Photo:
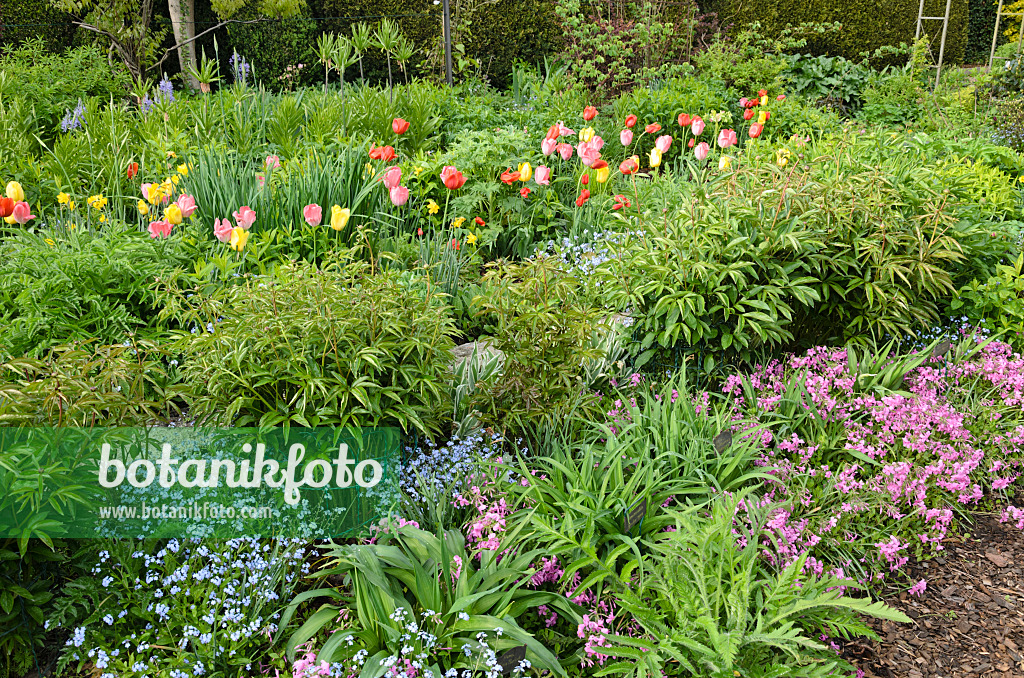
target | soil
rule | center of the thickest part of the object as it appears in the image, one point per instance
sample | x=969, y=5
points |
x=968, y=622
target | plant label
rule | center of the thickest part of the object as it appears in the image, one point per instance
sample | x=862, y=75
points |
x=635, y=516
x=722, y=441
x=511, y=659
x=941, y=349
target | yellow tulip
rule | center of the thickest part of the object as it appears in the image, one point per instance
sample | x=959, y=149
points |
x=782, y=157
x=173, y=214
x=655, y=157
x=525, y=171
x=239, y=236
x=764, y=101
x=762, y=117
x=15, y=192
x=601, y=175
x=339, y=217
x=143, y=208
x=586, y=134
x=725, y=163
x=63, y=198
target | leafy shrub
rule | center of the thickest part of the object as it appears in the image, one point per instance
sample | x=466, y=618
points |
x=343, y=345
x=62, y=285
x=711, y=604
x=747, y=63
x=892, y=99
x=997, y=305
x=690, y=95
x=1008, y=124
x=28, y=574
x=829, y=81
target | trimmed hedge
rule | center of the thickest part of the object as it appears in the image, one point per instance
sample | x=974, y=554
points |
x=867, y=24
x=981, y=24
x=24, y=19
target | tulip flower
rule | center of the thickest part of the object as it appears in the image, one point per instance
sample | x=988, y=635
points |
x=553, y=132
x=564, y=150
x=727, y=138
x=508, y=176
x=586, y=134
x=748, y=114
x=399, y=126
x=375, y=153
x=762, y=92
x=132, y=170
x=222, y=229
x=143, y=207
x=272, y=163
x=782, y=157
x=620, y=202
x=725, y=163
x=653, y=128
x=629, y=165
x=21, y=213
x=755, y=130
x=663, y=143
x=743, y=102
x=399, y=195
x=547, y=146
x=781, y=97
x=392, y=177
x=239, y=236
x=655, y=157
x=385, y=153
x=630, y=120
x=339, y=217
x=601, y=171
x=313, y=214
x=173, y=214
x=588, y=153
x=583, y=197
x=697, y=126
x=160, y=229
x=479, y=222
x=145, y=188
x=762, y=117
x=585, y=179
x=525, y=171
x=685, y=120
x=691, y=142
x=564, y=131
x=543, y=175
x=15, y=192
x=419, y=232
x=452, y=178
x=626, y=137
x=589, y=113
x=701, y=150
x=187, y=204
x=524, y=191
x=764, y=101
x=244, y=217
x=6, y=207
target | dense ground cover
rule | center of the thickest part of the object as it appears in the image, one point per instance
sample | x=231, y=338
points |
x=784, y=320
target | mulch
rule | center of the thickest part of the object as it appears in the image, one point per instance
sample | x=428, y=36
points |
x=970, y=620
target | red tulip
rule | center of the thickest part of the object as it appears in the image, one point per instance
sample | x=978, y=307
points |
x=508, y=176
x=748, y=114
x=767, y=116
x=419, y=232
x=375, y=152
x=653, y=128
x=630, y=120
x=584, y=196
x=691, y=142
x=685, y=120
x=553, y=132
x=399, y=126
x=585, y=180
x=628, y=166
x=781, y=97
x=620, y=202
x=480, y=222
x=452, y=178
x=133, y=169
x=387, y=154
x=6, y=207
x=524, y=191
x=762, y=92
x=755, y=130
x=589, y=113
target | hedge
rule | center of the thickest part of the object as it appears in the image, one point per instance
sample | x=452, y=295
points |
x=24, y=19
x=867, y=24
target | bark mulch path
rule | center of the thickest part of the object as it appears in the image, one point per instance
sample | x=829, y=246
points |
x=969, y=621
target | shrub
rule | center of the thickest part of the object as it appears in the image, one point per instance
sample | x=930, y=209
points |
x=1008, y=124
x=997, y=305
x=345, y=345
x=832, y=82
x=23, y=21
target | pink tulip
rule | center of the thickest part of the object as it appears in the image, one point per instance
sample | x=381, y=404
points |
x=597, y=142
x=548, y=146
x=221, y=229
x=145, y=191
x=743, y=102
x=399, y=195
x=542, y=175
x=588, y=154
x=697, y=126
x=312, y=214
x=273, y=162
x=187, y=204
x=565, y=150
x=626, y=137
x=727, y=138
x=701, y=150
x=22, y=212
x=663, y=142
x=393, y=177
x=160, y=229
x=244, y=217
x=261, y=179
x=565, y=131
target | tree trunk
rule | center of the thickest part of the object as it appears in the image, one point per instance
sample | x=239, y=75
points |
x=183, y=24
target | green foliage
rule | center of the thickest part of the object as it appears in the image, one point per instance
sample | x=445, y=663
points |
x=1008, y=124
x=271, y=47
x=435, y=583
x=61, y=285
x=893, y=99
x=829, y=81
x=1008, y=77
x=747, y=63
x=27, y=578
x=336, y=346
x=997, y=305
x=543, y=324
x=690, y=95
x=981, y=24
x=711, y=604
x=27, y=20
x=867, y=25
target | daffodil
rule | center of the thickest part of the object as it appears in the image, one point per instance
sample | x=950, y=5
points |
x=370, y=170
x=175, y=178
x=471, y=239
x=432, y=207
x=71, y=205
x=782, y=157
x=63, y=198
x=97, y=202
x=103, y=218
x=340, y=217
x=457, y=223
x=239, y=236
x=183, y=170
x=417, y=170
x=725, y=163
